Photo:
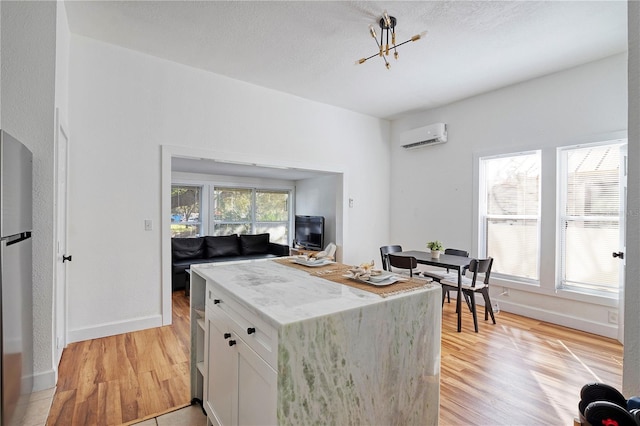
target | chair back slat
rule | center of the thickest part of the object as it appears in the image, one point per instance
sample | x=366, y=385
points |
x=456, y=252
x=480, y=266
x=403, y=262
x=384, y=251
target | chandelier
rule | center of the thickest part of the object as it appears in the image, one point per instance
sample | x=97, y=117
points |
x=388, y=32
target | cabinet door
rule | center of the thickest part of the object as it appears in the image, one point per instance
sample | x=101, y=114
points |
x=222, y=380
x=257, y=389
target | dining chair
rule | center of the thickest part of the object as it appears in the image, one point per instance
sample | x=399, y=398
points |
x=438, y=275
x=471, y=286
x=402, y=262
x=384, y=251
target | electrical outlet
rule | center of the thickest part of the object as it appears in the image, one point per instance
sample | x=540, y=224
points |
x=613, y=317
x=148, y=225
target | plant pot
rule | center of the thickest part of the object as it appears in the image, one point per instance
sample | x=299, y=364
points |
x=435, y=254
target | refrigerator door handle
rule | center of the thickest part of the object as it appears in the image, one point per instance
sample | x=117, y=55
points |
x=15, y=239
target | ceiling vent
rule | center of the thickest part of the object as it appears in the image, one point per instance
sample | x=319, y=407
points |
x=424, y=136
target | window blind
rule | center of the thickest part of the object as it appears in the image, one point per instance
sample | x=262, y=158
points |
x=511, y=213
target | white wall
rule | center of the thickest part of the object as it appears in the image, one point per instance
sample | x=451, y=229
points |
x=124, y=106
x=631, y=364
x=28, y=90
x=583, y=104
x=323, y=196
x=62, y=59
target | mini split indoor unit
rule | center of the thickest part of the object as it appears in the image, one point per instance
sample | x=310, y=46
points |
x=432, y=134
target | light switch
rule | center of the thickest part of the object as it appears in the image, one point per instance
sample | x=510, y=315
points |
x=148, y=226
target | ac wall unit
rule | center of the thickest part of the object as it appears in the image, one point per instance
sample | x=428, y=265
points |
x=424, y=136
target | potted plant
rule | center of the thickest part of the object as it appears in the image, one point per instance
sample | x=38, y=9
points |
x=435, y=247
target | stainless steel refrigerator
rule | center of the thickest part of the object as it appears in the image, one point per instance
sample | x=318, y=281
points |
x=15, y=279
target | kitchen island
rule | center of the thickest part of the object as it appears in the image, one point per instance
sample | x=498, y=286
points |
x=272, y=344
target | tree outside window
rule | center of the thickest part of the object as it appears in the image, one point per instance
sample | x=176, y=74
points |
x=185, y=211
x=251, y=211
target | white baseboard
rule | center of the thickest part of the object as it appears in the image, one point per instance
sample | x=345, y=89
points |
x=601, y=329
x=44, y=380
x=113, y=328
x=605, y=330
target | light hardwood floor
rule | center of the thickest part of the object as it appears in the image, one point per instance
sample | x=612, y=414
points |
x=125, y=378
x=517, y=372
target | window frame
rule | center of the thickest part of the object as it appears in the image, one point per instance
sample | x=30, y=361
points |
x=201, y=217
x=483, y=217
x=254, y=224
x=207, y=184
x=561, y=194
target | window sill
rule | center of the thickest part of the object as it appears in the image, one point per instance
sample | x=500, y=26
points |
x=608, y=301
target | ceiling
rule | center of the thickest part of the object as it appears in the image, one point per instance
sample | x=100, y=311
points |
x=310, y=48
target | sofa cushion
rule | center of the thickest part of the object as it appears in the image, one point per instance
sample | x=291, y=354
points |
x=226, y=245
x=254, y=244
x=187, y=248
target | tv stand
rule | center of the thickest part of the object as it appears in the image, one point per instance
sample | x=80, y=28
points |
x=300, y=251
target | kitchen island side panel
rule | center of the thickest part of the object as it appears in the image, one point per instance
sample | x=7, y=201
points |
x=376, y=364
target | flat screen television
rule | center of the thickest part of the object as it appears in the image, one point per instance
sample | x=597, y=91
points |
x=309, y=232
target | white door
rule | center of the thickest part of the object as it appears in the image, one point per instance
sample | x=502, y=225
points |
x=257, y=389
x=623, y=235
x=60, y=292
x=220, y=395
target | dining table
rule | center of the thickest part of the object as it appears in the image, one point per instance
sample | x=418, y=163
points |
x=447, y=261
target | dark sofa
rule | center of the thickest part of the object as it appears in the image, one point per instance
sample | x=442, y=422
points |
x=189, y=251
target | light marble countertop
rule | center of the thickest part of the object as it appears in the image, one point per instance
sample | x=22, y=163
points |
x=283, y=295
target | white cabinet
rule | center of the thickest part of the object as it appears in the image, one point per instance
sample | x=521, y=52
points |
x=241, y=387
x=197, y=324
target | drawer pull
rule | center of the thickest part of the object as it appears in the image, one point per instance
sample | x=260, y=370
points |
x=216, y=301
x=251, y=330
x=227, y=335
x=232, y=342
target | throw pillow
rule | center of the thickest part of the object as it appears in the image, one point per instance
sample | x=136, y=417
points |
x=187, y=248
x=226, y=245
x=254, y=244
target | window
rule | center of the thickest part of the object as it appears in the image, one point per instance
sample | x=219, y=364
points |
x=509, y=207
x=589, y=218
x=251, y=211
x=185, y=211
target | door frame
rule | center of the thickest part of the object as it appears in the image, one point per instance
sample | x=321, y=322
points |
x=61, y=214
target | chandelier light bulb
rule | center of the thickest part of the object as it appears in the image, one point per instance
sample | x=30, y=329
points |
x=372, y=31
x=387, y=20
x=418, y=36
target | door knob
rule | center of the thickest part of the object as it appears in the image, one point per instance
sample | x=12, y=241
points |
x=618, y=254
x=65, y=258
